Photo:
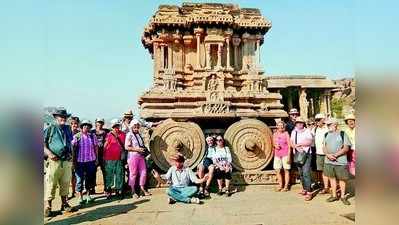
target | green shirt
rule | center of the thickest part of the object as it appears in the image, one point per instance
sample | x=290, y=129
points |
x=333, y=143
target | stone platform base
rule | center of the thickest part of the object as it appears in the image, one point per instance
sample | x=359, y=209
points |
x=249, y=178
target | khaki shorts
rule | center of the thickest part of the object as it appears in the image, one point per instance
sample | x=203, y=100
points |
x=339, y=172
x=320, y=162
x=59, y=173
x=281, y=163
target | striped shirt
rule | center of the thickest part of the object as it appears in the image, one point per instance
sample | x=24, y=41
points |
x=85, y=144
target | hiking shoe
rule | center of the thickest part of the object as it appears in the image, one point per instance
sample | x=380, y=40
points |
x=171, y=201
x=48, y=212
x=220, y=192
x=194, y=200
x=345, y=201
x=332, y=199
x=66, y=207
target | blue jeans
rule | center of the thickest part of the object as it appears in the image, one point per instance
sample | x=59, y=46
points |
x=304, y=173
x=85, y=175
x=182, y=194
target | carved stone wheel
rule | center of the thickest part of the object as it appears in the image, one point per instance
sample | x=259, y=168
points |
x=250, y=142
x=171, y=137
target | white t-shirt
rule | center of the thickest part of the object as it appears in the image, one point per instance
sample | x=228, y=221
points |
x=319, y=139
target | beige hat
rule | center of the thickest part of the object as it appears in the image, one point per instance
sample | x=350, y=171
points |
x=320, y=116
x=331, y=121
x=299, y=120
x=293, y=111
x=100, y=120
x=128, y=114
x=350, y=117
x=86, y=122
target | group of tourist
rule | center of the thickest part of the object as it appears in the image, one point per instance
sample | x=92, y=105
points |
x=300, y=143
x=74, y=152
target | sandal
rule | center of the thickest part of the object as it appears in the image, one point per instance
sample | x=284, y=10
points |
x=303, y=192
x=206, y=193
x=285, y=189
x=278, y=189
x=228, y=193
x=89, y=199
x=220, y=192
x=82, y=201
x=324, y=191
x=308, y=197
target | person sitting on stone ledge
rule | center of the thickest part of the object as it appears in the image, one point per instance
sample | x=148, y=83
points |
x=180, y=178
x=222, y=161
x=207, y=166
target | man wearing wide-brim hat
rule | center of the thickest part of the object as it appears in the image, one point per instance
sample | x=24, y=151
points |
x=350, y=121
x=181, y=177
x=293, y=114
x=128, y=117
x=57, y=147
x=336, y=146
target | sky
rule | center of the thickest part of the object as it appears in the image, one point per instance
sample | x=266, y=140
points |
x=87, y=55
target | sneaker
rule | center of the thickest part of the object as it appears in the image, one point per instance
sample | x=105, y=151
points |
x=345, y=201
x=82, y=201
x=89, y=199
x=171, y=201
x=220, y=192
x=228, y=193
x=194, y=200
x=332, y=199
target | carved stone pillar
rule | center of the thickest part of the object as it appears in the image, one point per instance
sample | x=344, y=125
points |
x=323, y=103
x=155, y=50
x=170, y=50
x=208, y=56
x=219, y=61
x=245, y=51
x=198, y=31
x=236, y=42
x=162, y=56
x=257, y=53
x=228, y=66
x=303, y=104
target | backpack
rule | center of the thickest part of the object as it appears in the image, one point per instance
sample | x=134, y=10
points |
x=342, y=134
x=58, y=146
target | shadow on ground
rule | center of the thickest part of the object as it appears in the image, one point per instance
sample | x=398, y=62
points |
x=98, y=213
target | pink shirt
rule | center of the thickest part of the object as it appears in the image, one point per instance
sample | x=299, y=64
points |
x=282, y=140
x=303, y=137
x=112, y=151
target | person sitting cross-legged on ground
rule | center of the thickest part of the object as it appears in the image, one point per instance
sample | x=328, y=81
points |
x=207, y=166
x=180, y=178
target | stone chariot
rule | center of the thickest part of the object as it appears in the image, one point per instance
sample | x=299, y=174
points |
x=208, y=80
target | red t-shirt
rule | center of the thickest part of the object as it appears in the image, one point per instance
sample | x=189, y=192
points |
x=112, y=151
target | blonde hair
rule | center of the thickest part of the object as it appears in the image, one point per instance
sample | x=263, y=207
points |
x=280, y=122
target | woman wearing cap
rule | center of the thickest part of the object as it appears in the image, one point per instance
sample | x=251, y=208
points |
x=113, y=147
x=301, y=141
x=100, y=133
x=137, y=152
x=222, y=161
x=86, y=160
x=350, y=121
x=282, y=155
